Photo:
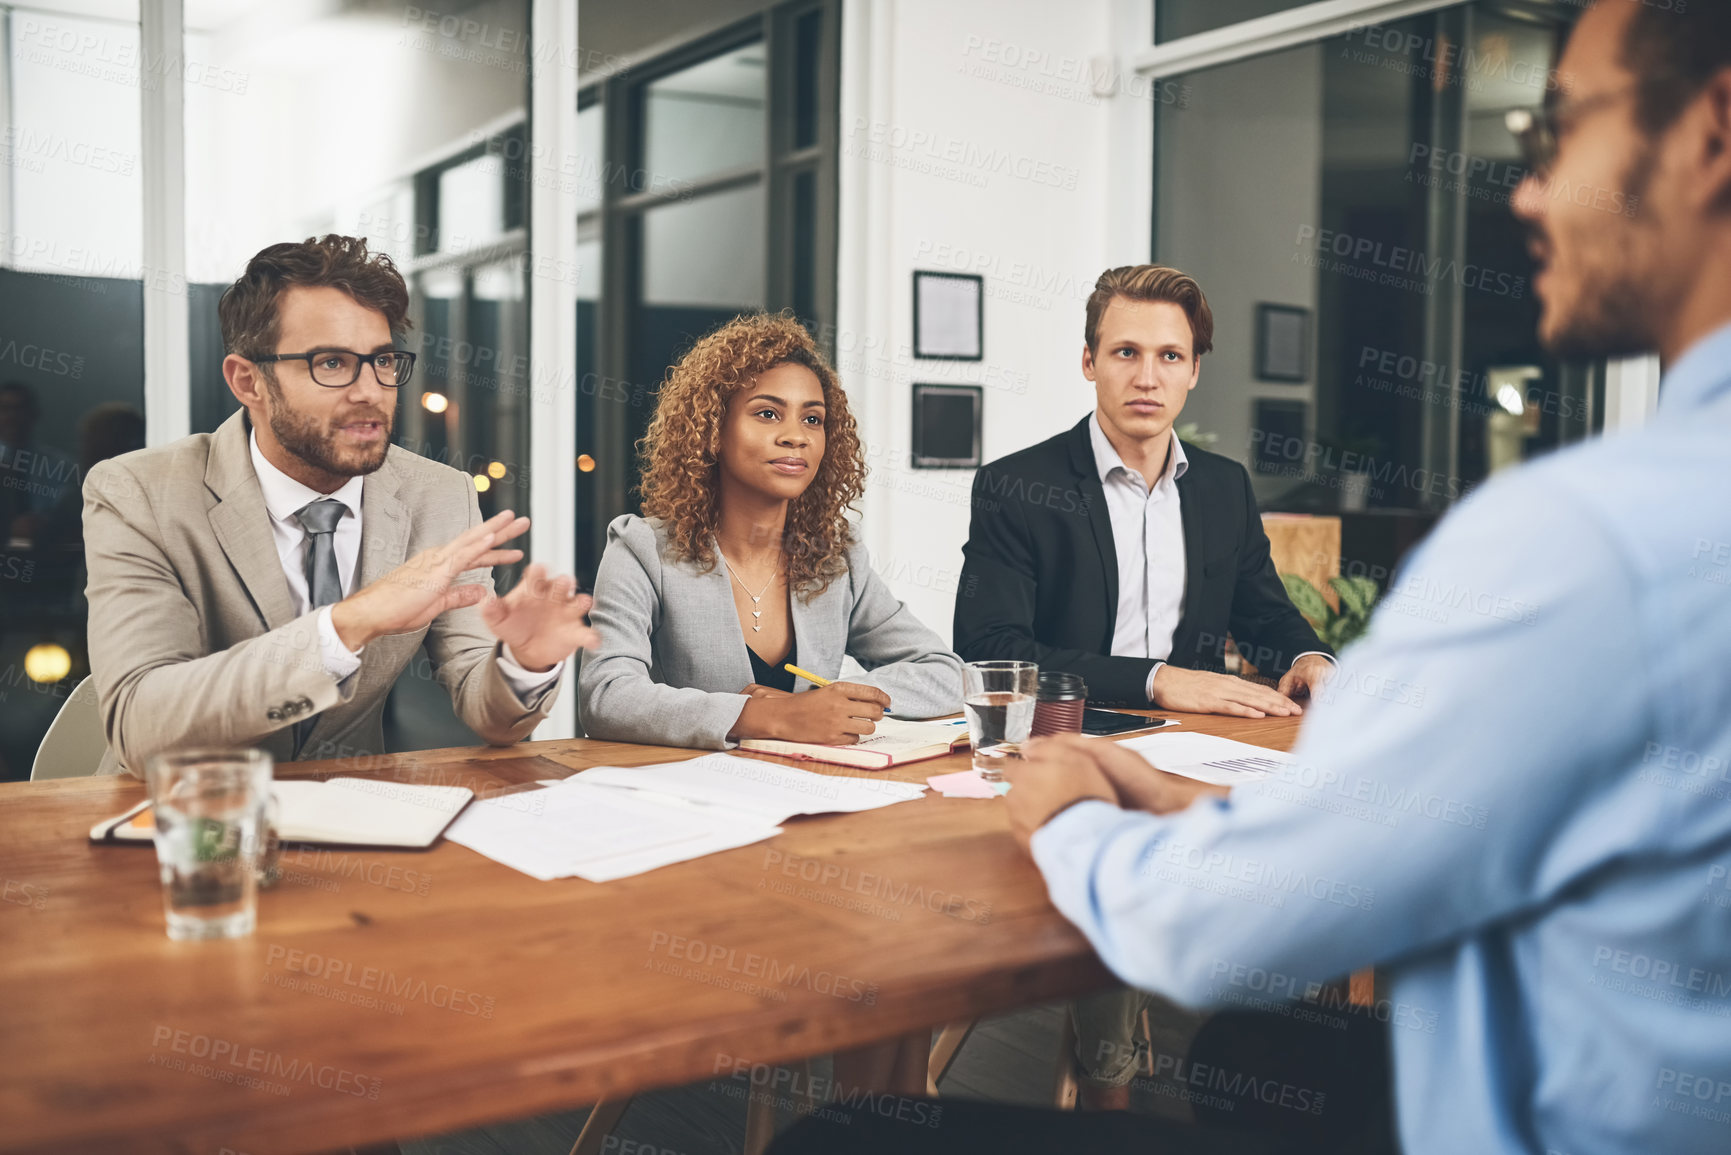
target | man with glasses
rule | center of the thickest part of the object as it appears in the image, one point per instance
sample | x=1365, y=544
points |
x=1536, y=858
x=264, y=585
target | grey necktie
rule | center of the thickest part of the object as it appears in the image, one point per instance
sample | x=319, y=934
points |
x=324, y=581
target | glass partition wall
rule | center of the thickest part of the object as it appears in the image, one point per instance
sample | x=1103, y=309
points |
x=713, y=193
x=1351, y=195
x=424, y=153
x=71, y=332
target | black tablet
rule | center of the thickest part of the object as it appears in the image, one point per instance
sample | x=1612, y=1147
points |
x=1100, y=722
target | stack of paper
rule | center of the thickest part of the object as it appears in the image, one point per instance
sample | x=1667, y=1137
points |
x=772, y=791
x=1206, y=758
x=613, y=821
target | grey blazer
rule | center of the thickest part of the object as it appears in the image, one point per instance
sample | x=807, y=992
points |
x=672, y=660
x=193, y=636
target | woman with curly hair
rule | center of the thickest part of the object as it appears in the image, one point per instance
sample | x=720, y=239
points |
x=745, y=562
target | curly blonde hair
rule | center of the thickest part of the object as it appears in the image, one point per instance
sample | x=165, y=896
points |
x=680, y=471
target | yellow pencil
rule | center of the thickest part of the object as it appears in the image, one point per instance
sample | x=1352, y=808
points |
x=806, y=674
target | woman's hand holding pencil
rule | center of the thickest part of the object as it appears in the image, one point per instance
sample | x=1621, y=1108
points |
x=834, y=714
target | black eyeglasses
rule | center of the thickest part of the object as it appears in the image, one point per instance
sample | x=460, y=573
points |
x=1538, y=130
x=340, y=368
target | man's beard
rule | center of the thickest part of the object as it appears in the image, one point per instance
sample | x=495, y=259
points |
x=1611, y=313
x=316, y=445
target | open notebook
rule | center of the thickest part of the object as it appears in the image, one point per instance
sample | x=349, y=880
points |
x=339, y=812
x=893, y=743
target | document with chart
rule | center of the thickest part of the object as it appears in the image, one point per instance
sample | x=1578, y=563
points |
x=1219, y=761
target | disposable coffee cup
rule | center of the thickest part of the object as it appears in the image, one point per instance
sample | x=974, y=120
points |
x=1059, y=704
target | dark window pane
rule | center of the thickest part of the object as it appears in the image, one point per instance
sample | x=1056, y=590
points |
x=71, y=395
x=805, y=246
x=808, y=40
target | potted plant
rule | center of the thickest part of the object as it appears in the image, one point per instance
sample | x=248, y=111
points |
x=1336, y=627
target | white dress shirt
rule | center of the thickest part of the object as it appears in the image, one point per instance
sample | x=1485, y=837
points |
x=1148, y=537
x=283, y=498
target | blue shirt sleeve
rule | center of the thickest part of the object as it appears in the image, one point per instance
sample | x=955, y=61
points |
x=1457, y=769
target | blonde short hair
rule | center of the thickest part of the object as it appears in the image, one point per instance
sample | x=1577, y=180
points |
x=1151, y=283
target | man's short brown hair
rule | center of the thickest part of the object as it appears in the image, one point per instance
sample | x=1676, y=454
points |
x=1674, y=53
x=1151, y=283
x=251, y=321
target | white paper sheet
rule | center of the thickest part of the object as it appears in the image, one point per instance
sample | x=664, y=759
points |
x=599, y=833
x=768, y=790
x=1219, y=761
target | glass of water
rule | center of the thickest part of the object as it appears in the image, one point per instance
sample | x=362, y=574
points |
x=999, y=699
x=211, y=828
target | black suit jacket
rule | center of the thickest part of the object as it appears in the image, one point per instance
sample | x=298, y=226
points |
x=1040, y=572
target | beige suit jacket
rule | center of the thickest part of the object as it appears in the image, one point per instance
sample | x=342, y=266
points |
x=193, y=635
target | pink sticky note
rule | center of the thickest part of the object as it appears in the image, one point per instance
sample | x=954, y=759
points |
x=962, y=784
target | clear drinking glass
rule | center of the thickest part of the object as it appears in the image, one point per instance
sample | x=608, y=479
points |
x=999, y=700
x=211, y=828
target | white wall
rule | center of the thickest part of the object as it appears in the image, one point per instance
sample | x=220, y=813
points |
x=972, y=141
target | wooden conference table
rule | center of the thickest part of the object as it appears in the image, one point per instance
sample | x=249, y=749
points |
x=390, y=994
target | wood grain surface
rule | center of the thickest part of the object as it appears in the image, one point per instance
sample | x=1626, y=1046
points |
x=389, y=994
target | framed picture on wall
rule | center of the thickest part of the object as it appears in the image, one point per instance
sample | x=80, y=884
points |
x=1282, y=343
x=1277, y=437
x=949, y=316
x=947, y=426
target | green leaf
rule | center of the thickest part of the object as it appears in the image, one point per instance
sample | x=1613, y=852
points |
x=1357, y=594
x=1308, y=600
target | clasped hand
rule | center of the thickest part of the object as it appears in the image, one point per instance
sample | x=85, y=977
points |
x=541, y=619
x=1057, y=772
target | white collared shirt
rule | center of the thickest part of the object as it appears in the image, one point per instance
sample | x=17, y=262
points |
x=283, y=498
x=1148, y=537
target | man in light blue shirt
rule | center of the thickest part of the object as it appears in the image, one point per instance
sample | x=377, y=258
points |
x=1514, y=796
x=1532, y=839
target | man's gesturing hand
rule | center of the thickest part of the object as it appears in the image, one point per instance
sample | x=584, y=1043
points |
x=541, y=619
x=420, y=589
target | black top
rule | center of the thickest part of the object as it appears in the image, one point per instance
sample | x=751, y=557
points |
x=774, y=677
x=1040, y=571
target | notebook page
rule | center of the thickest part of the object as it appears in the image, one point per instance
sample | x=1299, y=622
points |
x=368, y=812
